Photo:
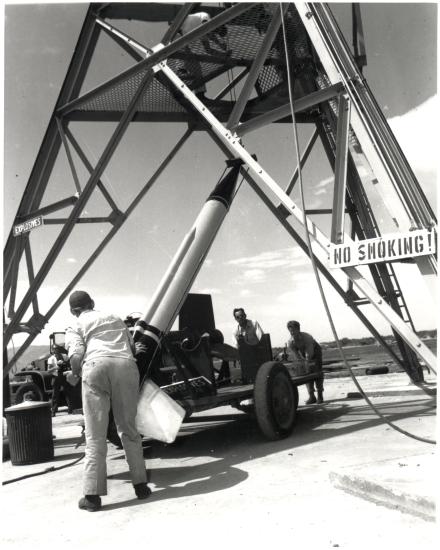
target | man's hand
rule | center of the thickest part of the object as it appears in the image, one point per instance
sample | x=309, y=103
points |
x=73, y=379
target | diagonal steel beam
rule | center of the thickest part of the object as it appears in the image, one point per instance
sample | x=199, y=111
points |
x=79, y=206
x=301, y=104
x=231, y=84
x=89, y=168
x=257, y=64
x=69, y=155
x=303, y=160
x=174, y=28
x=320, y=243
x=341, y=156
x=127, y=47
x=303, y=245
x=148, y=185
x=30, y=270
x=49, y=148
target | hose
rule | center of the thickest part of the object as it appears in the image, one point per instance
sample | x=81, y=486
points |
x=312, y=259
x=46, y=471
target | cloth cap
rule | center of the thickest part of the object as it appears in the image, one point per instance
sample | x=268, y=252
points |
x=79, y=298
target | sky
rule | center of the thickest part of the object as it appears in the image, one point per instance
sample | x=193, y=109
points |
x=253, y=263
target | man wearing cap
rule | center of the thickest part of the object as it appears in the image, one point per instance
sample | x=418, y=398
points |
x=305, y=348
x=101, y=347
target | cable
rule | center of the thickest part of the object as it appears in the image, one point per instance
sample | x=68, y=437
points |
x=46, y=471
x=312, y=259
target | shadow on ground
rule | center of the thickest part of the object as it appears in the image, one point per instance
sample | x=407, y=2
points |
x=232, y=439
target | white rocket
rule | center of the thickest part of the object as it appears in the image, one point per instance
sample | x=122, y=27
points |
x=176, y=283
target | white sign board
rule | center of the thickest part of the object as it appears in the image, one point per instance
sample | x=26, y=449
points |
x=28, y=225
x=383, y=249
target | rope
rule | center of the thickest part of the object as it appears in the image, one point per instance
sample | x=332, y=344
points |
x=309, y=246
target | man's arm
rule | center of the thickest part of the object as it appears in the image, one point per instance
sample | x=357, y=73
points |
x=131, y=341
x=236, y=338
x=52, y=365
x=258, y=330
x=75, y=349
x=294, y=350
x=309, y=346
x=75, y=363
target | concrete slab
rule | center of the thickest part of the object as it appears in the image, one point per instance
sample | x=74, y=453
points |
x=222, y=484
x=407, y=484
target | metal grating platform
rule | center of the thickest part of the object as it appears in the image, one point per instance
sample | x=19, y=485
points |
x=231, y=46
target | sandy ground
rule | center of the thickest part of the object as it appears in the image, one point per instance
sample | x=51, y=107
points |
x=221, y=484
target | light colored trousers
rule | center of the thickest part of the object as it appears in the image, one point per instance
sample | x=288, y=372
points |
x=111, y=382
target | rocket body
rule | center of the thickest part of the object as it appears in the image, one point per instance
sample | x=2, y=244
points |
x=177, y=280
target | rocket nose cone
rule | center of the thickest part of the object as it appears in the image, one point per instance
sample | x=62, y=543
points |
x=224, y=190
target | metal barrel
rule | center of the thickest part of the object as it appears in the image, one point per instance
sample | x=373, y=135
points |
x=30, y=432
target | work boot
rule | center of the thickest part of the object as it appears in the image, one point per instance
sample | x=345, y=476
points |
x=142, y=490
x=311, y=400
x=320, y=397
x=91, y=503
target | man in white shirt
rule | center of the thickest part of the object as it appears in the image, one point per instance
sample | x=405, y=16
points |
x=247, y=331
x=101, y=346
x=57, y=364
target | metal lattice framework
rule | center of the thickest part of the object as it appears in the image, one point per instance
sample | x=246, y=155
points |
x=166, y=84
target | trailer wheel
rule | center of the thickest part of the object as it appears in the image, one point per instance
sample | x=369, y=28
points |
x=29, y=392
x=275, y=400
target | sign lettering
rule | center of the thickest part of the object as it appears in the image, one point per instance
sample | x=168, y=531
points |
x=383, y=249
x=26, y=226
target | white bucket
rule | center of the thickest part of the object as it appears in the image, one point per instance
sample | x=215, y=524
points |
x=158, y=415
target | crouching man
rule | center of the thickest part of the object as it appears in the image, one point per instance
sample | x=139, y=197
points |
x=306, y=349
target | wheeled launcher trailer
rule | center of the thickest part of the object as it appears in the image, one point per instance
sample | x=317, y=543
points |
x=261, y=386
x=272, y=398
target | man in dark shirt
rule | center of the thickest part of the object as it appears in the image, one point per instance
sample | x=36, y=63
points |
x=306, y=349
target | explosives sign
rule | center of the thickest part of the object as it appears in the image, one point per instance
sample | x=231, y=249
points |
x=383, y=249
x=28, y=225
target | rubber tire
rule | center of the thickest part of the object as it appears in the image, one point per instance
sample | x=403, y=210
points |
x=26, y=388
x=275, y=401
